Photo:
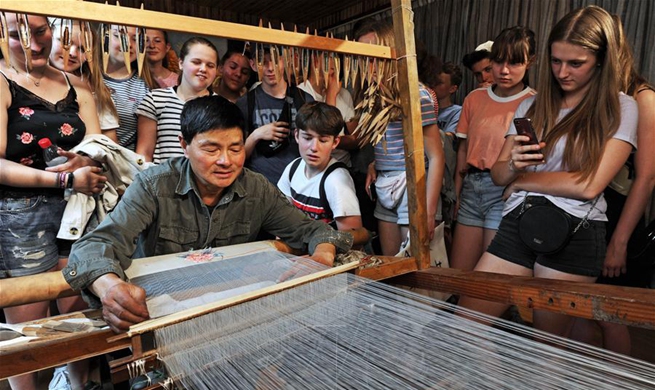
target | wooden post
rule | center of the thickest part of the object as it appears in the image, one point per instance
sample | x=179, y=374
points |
x=413, y=130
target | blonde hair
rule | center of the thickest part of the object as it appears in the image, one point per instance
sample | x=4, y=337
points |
x=146, y=75
x=92, y=73
x=597, y=117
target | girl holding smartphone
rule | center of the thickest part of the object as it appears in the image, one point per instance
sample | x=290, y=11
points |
x=588, y=130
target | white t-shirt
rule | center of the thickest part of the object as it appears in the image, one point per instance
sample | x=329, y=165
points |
x=346, y=107
x=627, y=132
x=108, y=121
x=304, y=192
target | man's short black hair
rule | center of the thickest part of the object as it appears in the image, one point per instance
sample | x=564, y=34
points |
x=320, y=117
x=209, y=113
x=472, y=58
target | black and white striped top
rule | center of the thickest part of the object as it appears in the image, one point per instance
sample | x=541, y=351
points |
x=126, y=94
x=164, y=107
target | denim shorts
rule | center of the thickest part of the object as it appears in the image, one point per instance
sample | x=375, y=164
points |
x=583, y=255
x=28, y=234
x=481, y=202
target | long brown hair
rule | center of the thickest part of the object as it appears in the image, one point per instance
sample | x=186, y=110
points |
x=631, y=80
x=596, y=118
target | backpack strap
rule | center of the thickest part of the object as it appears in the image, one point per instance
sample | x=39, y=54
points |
x=298, y=97
x=250, y=125
x=321, y=187
x=294, y=167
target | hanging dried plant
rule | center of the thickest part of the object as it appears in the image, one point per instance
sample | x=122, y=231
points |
x=4, y=38
x=378, y=108
x=86, y=38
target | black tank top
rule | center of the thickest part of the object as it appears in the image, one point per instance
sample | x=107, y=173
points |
x=31, y=118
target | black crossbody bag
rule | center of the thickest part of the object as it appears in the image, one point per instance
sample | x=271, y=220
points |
x=547, y=229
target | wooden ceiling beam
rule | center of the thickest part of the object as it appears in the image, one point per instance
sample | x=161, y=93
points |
x=164, y=21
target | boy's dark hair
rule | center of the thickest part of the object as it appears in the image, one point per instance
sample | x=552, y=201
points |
x=209, y=113
x=454, y=71
x=321, y=118
x=429, y=68
x=472, y=58
x=230, y=52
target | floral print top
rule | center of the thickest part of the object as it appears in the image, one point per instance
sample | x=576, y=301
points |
x=31, y=118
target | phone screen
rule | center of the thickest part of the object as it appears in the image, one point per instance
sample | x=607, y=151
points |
x=524, y=127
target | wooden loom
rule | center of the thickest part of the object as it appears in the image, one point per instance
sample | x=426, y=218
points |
x=626, y=305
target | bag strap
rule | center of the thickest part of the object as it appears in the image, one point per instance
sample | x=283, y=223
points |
x=583, y=222
x=250, y=125
x=321, y=187
x=297, y=95
x=586, y=217
x=294, y=166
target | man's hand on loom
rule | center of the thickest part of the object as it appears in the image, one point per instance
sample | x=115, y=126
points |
x=123, y=304
x=302, y=266
x=324, y=254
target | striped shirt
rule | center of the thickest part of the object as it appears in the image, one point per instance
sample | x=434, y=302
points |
x=164, y=107
x=390, y=151
x=126, y=94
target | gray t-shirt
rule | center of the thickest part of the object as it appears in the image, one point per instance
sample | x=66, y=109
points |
x=267, y=110
x=627, y=132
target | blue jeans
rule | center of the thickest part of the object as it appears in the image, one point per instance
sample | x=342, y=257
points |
x=481, y=202
x=28, y=234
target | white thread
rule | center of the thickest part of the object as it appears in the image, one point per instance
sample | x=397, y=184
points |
x=347, y=332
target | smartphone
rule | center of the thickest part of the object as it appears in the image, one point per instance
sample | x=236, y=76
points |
x=372, y=190
x=524, y=127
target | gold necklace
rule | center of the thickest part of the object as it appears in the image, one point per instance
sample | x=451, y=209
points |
x=35, y=81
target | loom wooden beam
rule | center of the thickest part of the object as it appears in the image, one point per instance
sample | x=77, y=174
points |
x=51, y=352
x=625, y=305
x=403, y=26
x=96, y=12
x=390, y=267
x=49, y=286
x=34, y=288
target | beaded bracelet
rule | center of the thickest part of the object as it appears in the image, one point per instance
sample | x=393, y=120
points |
x=61, y=179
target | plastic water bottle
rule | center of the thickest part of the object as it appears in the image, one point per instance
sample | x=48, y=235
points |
x=50, y=154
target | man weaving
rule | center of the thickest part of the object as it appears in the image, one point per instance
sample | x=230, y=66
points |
x=205, y=199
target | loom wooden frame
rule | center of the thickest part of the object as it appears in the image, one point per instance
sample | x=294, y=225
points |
x=626, y=305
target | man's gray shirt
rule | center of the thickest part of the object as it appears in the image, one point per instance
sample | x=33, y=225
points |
x=162, y=213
